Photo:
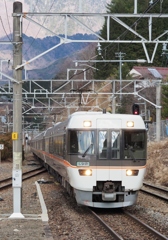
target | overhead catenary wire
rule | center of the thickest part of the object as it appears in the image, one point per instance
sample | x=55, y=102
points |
x=8, y=19
x=31, y=16
x=10, y=40
x=132, y=25
x=39, y=29
x=149, y=8
x=5, y=29
x=122, y=34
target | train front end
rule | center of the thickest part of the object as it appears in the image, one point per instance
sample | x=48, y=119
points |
x=107, y=156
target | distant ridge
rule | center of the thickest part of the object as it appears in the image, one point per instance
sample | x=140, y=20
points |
x=47, y=66
x=53, y=23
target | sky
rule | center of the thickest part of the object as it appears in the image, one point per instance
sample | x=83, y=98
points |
x=30, y=29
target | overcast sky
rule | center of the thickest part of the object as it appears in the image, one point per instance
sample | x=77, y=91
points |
x=70, y=6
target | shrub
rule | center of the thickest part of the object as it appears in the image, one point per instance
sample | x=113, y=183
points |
x=7, y=152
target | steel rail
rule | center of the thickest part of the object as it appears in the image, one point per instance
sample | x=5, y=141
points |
x=150, y=229
x=26, y=175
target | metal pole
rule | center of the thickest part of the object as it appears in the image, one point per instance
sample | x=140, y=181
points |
x=120, y=55
x=135, y=6
x=158, y=111
x=120, y=72
x=80, y=6
x=113, y=98
x=17, y=111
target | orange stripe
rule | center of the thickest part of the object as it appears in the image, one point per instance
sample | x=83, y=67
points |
x=67, y=164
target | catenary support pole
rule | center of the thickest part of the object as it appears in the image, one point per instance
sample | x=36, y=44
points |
x=17, y=111
x=158, y=111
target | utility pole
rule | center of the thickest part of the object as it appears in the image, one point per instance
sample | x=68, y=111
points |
x=17, y=111
x=158, y=111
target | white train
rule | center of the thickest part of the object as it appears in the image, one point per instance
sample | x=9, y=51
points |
x=100, y=158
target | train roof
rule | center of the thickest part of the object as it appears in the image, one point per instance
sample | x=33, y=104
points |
x=88, y=113
x=98, y=120
x=105, y=120
x=40, y=135
x=48, y=132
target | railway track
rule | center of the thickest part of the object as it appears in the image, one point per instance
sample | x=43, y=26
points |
x=154, y=190
x=123, y=225
x=5, y=183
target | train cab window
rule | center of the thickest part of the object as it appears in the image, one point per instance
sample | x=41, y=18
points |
x=73, y=141
x=102, y=144
x=81, y=142
x=135, y=144
x=115, y=144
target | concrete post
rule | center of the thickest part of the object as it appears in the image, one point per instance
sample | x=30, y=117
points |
x=158, y=111
x=17, y=111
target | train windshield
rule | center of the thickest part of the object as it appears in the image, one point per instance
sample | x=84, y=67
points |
x=135, y=144
x=109, y=144
x=126, y=144
x=81, y=142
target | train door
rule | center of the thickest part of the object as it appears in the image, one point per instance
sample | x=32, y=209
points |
x=108, y=153
x=115, y=161
x=103, y=171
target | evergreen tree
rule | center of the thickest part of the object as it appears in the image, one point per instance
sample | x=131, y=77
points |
x=133, y=51
x=164, y=101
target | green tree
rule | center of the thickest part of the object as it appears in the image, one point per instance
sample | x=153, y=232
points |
x=132, y=51
x=164, y=101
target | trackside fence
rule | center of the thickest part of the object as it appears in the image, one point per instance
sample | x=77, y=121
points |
x=163, y=132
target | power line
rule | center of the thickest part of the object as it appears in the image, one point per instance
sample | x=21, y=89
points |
x=125, y=32
x=7, y=17
x=39, y=29
x=32, y=16
x=4, y=29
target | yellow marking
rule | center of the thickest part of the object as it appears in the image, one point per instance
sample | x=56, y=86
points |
x=14, y=136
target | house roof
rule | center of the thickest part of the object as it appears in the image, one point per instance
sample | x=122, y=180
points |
x=149, y=72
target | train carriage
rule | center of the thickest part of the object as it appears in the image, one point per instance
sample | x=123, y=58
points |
x=100, y=158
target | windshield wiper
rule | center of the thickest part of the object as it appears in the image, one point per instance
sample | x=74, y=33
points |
x=130, y=151
x=87, y=150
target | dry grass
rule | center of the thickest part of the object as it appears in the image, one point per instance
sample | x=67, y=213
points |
x=7, y=153
x=157, y=164
x=6, y=139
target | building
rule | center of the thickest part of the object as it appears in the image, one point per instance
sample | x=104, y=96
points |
x=151, y=73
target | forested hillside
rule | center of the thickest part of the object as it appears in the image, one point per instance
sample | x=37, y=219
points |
x=132, y=51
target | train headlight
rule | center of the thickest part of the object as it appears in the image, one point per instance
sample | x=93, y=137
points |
x=130, y=172
x=87, y=123
x=85, y=172
x=130, y=124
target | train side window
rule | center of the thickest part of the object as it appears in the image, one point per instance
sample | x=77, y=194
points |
x=102, y=144
x=115, y=144
x=51, y=148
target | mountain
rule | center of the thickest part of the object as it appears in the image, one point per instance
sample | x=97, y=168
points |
x=36, y=40
x=48, y=65
x=56, y=23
